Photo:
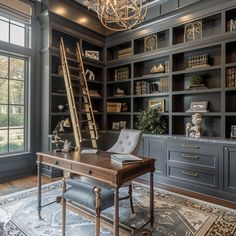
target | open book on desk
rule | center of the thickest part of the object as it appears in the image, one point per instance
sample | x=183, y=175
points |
x=126, y=158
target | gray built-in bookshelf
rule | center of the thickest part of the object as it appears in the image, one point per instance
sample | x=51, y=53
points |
x=155, y=64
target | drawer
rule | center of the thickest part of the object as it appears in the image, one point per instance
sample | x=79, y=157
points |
x=193, y=147
x=196, y=159
x=93, y=173
x=194, y=176
x=59, y=163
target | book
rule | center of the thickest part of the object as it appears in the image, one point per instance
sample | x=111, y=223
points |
x=126, y=158
x=89, y=151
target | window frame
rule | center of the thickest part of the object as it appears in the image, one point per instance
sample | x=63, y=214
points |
x=27, y=53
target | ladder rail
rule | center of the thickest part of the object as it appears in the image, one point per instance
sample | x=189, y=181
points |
x=70, y=95
x=87, y=99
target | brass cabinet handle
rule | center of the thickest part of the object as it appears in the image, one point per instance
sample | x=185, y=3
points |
x=190, y=146
x=194, y=174
x=56, y=162
x=90, y=172
x=190, y=156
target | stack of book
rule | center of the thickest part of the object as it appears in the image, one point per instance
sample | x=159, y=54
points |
x=198, y=61
x=121, y=74
x=126, y=52
x=142, y=87
x=126, y=158
x=164, y=85
x=230, y=78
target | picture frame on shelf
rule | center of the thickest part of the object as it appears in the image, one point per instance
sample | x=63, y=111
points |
x=233, y=132
x=116, y=125
x=150, y=43
x=92, y=54
x=193, y=31
x=158, y=104
x=200, y=106
x=122, y=124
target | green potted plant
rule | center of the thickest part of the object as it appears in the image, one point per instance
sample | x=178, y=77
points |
x=151, y=121
x=196, y=80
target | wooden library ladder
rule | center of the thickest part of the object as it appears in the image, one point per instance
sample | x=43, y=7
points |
x=70, y=91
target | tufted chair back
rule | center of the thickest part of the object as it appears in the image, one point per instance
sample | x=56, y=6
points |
x=128, y=142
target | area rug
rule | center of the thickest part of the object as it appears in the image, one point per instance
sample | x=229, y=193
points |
x=175, y=215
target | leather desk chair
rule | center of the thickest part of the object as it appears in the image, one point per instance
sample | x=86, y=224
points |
x=128, y=143
x=85, y=196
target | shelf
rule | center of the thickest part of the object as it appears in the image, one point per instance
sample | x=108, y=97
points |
x=119, y=81
x=151, y=95
x=231, y=64
x=96, y=97
x=119, y=113
x=195, y=91
x=191, y=113
x=86, y=60
x=230, y=89
x=119, y=97
x=230, y=113
x=152, y=76
x=194, y=70
x=60, y=113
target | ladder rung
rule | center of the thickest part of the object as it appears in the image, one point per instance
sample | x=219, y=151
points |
x=88, y=139
x=73, y=68
x=85, y=121
x=87, y=130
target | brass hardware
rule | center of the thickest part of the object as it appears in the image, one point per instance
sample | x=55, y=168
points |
x=90, y=172
x=194, y=174
x=226, y=149
x=190, y=146
x=56, y=162
x=190, y=156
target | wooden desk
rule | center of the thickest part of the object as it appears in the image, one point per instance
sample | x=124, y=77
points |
x=99, y=167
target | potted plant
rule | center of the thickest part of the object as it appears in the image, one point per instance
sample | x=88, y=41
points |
x=151, y=121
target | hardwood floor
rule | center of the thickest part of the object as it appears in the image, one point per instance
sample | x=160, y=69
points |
x=27, y=182
x=22, y=183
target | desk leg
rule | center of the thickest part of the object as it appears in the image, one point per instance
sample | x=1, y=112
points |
x=116, y=213
x=151, y=200
x=39, y=191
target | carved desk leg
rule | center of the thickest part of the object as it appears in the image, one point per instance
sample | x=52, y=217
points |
x=116, y=214
x=39, y=189
x=151, y=200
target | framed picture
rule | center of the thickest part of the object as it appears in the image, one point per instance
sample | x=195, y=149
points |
x=233, y=131
x=122, y=124
x=150, y=43
x=193, y=31
x=158, y=104
x=115, y=125
x=198, y=107
x=92, y=54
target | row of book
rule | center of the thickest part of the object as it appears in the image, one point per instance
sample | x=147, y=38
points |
x=198, y=61
x=230, y=78
x=126, y=52
x=148, y=87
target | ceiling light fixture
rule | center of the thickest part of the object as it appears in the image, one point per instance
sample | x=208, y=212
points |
x=118, y=15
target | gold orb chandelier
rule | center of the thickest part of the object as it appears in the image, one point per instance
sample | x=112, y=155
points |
x=118, y=15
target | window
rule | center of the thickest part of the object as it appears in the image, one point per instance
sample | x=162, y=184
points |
x=12, y=103
x=13, y=32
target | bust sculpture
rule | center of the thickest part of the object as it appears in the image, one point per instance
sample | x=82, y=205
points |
x=194, y=130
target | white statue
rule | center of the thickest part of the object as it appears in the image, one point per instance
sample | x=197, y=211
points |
x=91, y=74
x=194, y=131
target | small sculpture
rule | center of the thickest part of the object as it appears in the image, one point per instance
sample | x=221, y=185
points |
x=66, y=146
x=91, y=75
x=194, y=131
x=158, y=69
x=119, y=92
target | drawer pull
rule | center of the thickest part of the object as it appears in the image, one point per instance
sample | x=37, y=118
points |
x=56, y=163
x=189, y=156
x=90, y=172
x=190, y=146
x=194, y=174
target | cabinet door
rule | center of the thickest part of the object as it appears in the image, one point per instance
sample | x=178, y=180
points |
x=153, y=147
x=229, y=169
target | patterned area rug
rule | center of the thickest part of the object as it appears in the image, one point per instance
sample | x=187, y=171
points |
x=175, y=215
